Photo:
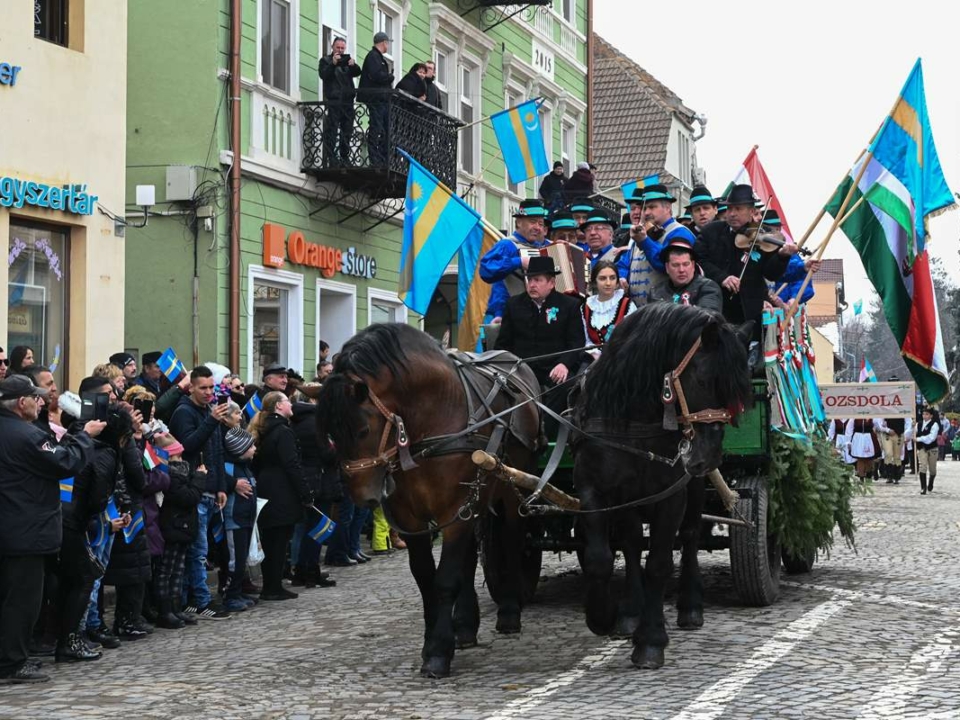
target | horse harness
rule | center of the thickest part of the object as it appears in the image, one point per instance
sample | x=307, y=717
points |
x=673, y=392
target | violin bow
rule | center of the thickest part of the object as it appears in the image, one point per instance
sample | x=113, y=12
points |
x=756, y=235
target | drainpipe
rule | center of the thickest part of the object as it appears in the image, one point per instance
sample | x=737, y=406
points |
x=590, y=81
x=234, y=180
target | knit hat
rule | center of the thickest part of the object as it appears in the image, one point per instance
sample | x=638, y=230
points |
x=237, y=441
x=122, y=359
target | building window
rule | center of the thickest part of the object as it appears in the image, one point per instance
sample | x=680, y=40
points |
x=546, y=123
x=336, y=313
x=275, y=324
x=50, y=20
x=383, y=307
x=469, y=138
x=336, y=15
x=275, y=44
x=387, y=22
x=442, y=79
x=37, y=293
x=568, y=139
x=569, y=10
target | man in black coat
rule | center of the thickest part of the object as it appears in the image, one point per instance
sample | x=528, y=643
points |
x=376, y=80
x=539, y=322
x=337, y=71
x=684, y=285
x=741, y=272
x=32, y=464
x=551, y=189
x=433, y=92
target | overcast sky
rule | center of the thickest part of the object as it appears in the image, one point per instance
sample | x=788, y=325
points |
x=807, y=82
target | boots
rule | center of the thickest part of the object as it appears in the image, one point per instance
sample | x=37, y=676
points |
x=923, y=483
x=73, y=649
x=126, y=628
x=166, y=619
x=396, y=541
x=930, y=483
x=298, y=576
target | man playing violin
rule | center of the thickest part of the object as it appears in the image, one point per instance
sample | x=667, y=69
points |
x=685, y=286
x=738, y=261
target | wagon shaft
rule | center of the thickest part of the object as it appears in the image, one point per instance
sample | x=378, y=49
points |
x=523, y=480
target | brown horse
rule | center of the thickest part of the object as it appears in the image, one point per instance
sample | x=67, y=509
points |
x=399, y=414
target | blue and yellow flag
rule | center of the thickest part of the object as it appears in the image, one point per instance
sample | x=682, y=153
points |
x=629, y=188
x=904, y=147
x=473, y=294
x=135, y=526
x=520, y=135
x=323, y=529
x=218, y=530
x=171, y=366
x=253, y=406
x=435, y=224
x=66, y=490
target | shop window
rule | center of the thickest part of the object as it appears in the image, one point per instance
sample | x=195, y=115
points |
x=275, y=332
x=275, y=47
x=384, y=307
x=336, y=313
x=50, y=20
x=37, y=292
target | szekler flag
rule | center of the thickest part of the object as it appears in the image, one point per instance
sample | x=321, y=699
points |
x=473, y=294
x=436, y=222
x=171, y=366
x=629, y=188
x=217, y=528
x=323, y=529
x=866, y=371
x=751, y=173
x=520, y=136
x=135, y=526
x=253, y=406
x=66, y=490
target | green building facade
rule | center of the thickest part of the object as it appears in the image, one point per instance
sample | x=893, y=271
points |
x=319, y=251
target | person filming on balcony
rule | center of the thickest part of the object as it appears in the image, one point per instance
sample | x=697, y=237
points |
x=337, y=71
x=376, y=81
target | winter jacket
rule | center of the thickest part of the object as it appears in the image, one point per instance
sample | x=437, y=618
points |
x=580, y=185
x=338, y=80
x=129, y=562
x=167, y=403
x=551, y=189
x=179, y=521
x=412, y=84
x=320, y=468
x=375, y=78
x=92, y=487
x=240, y=511
x=433, y=93
x=158, y=481
x=280, y=475
x=32, y=464
x=199, y=433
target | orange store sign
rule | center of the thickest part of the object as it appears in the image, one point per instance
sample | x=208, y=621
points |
x=300, y=251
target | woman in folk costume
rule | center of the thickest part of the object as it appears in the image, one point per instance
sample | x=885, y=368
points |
x=607, y=307
x=864, y=446
x=928, y=431
x=840, y=434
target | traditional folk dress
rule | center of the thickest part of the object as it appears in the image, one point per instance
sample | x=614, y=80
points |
x=600, y=317
x=864, y=447
x=841, y=434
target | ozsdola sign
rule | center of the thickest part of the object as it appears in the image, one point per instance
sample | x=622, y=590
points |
x=869, y=400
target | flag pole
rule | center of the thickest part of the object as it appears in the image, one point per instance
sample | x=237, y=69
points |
x=487, y=117
x=841, y=216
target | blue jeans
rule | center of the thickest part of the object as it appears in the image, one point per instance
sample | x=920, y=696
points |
x=360, y=517
x=299, y=531
x=195, y=573
x=338, y=546
x=94, y=618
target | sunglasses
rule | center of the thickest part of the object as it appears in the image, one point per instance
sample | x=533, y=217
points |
x=5, y=362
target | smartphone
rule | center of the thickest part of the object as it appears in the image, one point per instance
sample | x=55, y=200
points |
x=146, y=409
x=223, y=399
x=94, y=406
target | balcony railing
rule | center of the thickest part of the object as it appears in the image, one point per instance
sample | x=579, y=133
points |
x=354, y=143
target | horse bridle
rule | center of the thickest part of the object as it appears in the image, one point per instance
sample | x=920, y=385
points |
x=673, y=392
x=398, y=455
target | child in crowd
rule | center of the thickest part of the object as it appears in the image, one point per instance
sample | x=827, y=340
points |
x=239, y=514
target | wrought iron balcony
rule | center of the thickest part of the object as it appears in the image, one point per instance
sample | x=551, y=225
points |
x=354, y=143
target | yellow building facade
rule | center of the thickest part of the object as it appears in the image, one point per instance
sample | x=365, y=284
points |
x=63, y=88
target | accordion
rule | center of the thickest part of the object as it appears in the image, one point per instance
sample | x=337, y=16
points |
x=571, y=261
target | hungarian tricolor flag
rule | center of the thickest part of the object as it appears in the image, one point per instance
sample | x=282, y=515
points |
x=752, y=173
x=900, y=186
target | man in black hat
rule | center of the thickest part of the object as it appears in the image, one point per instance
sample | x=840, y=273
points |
x=551, y=189
x=32, y=465
x=580, y=208
x=742, y=273
x=684, y=285
x=703, y=209
x=275, y=379
x=542, y=321
x=150, y=375
x=563, y=228
x=505, y=262
x=127, y=363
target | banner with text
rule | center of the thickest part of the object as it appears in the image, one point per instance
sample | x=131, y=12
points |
x=869, y=400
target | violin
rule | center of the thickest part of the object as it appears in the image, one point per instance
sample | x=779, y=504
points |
x=653, y=230
x=767, y=241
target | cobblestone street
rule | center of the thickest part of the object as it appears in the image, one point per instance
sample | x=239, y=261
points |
x=866, y=635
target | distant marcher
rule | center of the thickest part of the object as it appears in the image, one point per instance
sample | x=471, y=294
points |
x=927, y=453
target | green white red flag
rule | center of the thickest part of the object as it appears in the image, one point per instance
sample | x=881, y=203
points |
x=751, y=173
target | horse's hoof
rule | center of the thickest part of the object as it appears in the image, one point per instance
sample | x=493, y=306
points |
x=626, y=624
x=435, y=667
x=508, y=624
x=647, y=657
x=466, y=639
x=690, y=619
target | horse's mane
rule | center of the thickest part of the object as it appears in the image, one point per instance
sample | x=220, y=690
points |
x=384, y=345
x=627, y=381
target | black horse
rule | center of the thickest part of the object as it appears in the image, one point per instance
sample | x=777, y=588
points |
x=667, y=380
x=392, y=398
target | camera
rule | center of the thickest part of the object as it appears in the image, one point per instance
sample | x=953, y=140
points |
x=345, y=58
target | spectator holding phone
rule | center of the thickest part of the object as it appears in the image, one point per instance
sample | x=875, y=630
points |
x=31, y=467
x=196, y=423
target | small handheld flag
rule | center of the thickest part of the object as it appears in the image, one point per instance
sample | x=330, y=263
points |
x=631, y=187
x=323, y=529
x=111, y=513
x=171, y=366
x=520, y=136
x=154, y=457
x=866, y=371
x=217, y=529
x=135, y=526
x=252, y=407
x=66, y=490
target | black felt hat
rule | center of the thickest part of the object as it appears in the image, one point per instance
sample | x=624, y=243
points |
x=740, y=195
x=541, y=265
x=531, y=208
